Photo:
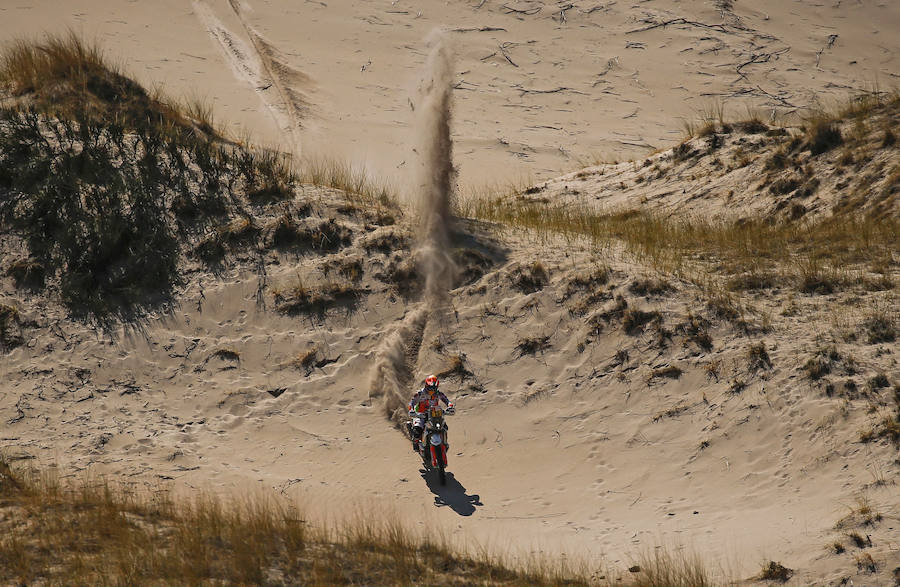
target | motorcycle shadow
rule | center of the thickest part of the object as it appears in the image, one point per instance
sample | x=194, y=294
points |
x=452, y=495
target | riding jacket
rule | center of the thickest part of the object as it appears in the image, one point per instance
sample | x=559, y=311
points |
x=422, y=401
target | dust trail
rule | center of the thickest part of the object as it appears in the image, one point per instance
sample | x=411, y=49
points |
x=392, y=374
x=435, y=183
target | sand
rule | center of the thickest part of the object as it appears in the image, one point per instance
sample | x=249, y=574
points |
x=578, y=448
x=539, y=90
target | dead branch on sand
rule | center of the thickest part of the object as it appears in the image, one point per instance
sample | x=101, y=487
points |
x=553, y=91
x=756, y=58
x=716, y=27
x=562, y=12
x=828, y=45
x=530, y=11
x=502, y=47
x=755, y=91
x=484, y=29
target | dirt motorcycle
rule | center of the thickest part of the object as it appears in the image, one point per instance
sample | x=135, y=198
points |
x=433, y=446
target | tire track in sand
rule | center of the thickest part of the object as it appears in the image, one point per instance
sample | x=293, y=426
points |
x=395, y=362
x=255, y=64
x=280, y=75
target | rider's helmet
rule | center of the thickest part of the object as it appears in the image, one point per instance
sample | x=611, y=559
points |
x=431, y=384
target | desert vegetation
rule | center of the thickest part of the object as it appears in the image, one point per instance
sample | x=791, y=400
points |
x=109, y=186
x=95, y=531
x=110, y=193
x=853, y=245
x=699, y=249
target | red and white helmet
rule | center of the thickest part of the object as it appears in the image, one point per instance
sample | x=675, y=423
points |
x=431, y=382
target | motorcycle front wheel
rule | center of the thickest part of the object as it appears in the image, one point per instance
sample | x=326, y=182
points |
x=438, y=458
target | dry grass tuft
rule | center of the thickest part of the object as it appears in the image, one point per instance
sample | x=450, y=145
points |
x=531, y=278
x=63, y=75
x=671, y=372
x=858, y=541
x=863, y=514
x=823, y=135
x=299, y=299
x=10, y=328
x=26, y=273
x=586, y=281
x=865, y=562
x=696, y=329
x=758, y=357
x=879, y=327
x=94, y=532
x=664, y=568
x=227, y=354
x=306, y=360
x=533, y=345
x=456, y=367
x=358, y=186
x=774, y=571
x=650, y=286
x=634, y=320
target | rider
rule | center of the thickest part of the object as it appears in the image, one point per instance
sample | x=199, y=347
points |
x=421, y=403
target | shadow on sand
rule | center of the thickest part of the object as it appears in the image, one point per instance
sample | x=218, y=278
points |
x=453, y=494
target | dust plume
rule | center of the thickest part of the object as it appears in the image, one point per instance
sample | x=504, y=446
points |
x=392, y=374
x=436, y=174
x=396, y=360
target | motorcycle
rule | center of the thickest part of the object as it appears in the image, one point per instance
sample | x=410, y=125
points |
x=433, y=447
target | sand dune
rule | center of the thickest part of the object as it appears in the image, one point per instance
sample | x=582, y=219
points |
x=576, y=432
x=538, y=88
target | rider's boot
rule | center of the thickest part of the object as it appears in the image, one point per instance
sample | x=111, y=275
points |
x=416, y=444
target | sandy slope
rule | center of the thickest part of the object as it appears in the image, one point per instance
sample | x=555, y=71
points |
x=578, y=448
x=537, y=90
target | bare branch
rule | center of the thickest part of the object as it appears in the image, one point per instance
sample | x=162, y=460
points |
x=526, y=11
x=761, y=58
x=484, y=29
x=506, y=55
x=553, y=91
x=828, y=45
x=716, y=27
